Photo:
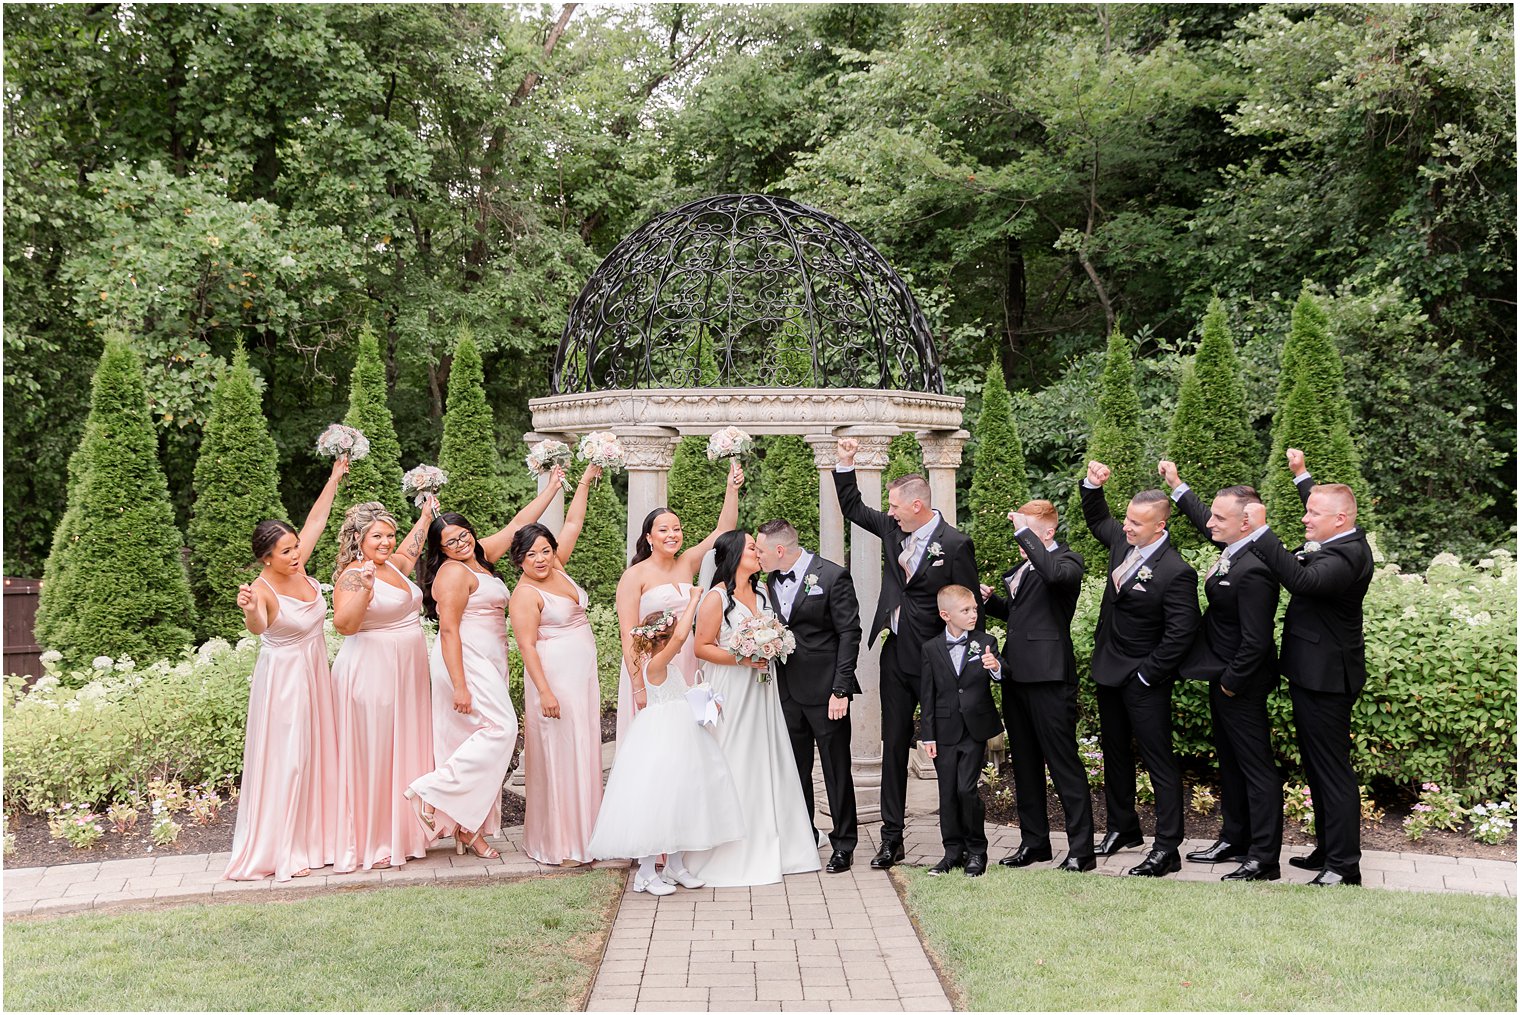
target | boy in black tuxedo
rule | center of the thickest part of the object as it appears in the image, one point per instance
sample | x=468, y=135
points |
x=959, y=717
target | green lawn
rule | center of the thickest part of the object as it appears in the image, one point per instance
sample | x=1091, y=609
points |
x=1033, y=941
x=529, y=945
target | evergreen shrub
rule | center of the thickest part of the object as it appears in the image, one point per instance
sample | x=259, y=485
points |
x=601, y=552
x=468, y=452
x=904, y=458
x=998, y=483
x=1116, y=442
x=696, y=485
x=788, y=486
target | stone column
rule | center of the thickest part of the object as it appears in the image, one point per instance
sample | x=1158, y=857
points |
x=650, y=450
x=865, y=570
x=942, y=455
x=553, y=517
x=830, y=521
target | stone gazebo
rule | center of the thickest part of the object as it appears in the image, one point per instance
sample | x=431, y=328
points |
x=771, y=316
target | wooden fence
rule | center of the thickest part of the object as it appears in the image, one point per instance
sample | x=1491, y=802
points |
x=22, y=653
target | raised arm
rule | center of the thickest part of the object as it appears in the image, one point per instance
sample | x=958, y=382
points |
x=575, y=517
x=627, y=602
x=1187, y=500
x=851, y=506
x=728, y=520
x=1058, y=570
x=409, y=550
x=525, y=610
x=1100, y=521
x=678, y=635
x=1318, y=574
x=496, y=545
x=316, y=518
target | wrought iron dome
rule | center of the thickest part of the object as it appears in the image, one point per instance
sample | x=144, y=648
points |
x=745, y=290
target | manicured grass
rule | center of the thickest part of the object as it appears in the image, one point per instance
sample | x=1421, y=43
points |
x=1033, y=941
x=529, y=945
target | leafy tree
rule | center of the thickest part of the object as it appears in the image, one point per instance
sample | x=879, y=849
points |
x=1315, y=417
x=601, y=553
x=468, y=453
x=695, y=489
x=998, y=482
x=1116, y=442
x=1211, y=439
x=788, y=486
x=120, y=589
x=904, y=458
x=236, y=487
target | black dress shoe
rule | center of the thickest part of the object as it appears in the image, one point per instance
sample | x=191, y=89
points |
x=1024, y=856
x=945, y=866
x=976, y=865
x=889, y=854
x=1113, y=842
x=1313, y=862
x=1217, y=853
x=838, y=863
x=1328, y=877
x=1078, y=863
x=1158, y=864
x=1254, y=870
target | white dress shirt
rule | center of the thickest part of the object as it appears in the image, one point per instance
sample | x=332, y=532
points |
x=786, y=592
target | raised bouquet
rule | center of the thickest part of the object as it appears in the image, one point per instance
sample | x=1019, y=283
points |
x=730, y=442
x=602, y=448
x=423, y=482
x=762, y=639
x=339, y=441
x=545, y=455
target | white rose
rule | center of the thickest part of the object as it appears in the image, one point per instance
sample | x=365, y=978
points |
x=765, y=637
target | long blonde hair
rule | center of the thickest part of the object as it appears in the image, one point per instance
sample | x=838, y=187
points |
x=355, y=524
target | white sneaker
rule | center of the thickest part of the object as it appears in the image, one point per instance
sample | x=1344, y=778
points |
x=682, y=877
x=654, y=886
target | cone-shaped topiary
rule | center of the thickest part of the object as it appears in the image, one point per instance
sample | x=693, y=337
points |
x=904, y=458
x=121, y=588
x=1211, y=439
x=1315, y=416
x=237, y=485
x=696, y=488
x=789, y=486
x=376, y=476
x=1116, y=443
x=998, y=480
x=468, y=453
x=601, y=553
x=58, y=573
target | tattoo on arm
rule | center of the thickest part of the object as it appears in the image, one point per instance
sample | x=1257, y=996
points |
x=414, y=545
x=351, y=582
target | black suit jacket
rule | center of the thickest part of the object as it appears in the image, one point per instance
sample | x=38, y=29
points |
x=957, y=705
x=1038, y=646
x=1147, y=626
x=955, y=564
x=826, y=625
x=1322, y=647
x=1236, y=643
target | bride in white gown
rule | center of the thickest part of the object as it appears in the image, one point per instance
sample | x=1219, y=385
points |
x=779, y=835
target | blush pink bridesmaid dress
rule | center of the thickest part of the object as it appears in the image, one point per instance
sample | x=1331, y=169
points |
x=473, y=752
x=562, y=763
x=385, y=730
x=288, y=801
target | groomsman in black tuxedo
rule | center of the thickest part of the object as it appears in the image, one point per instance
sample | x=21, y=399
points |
x=1324, y=659
x=1236, y=652
x=922, y=553
x=816, y=599
x=1040, y=687
x=1145, y=626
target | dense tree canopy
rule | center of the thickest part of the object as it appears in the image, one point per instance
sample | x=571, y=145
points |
x=195, y=176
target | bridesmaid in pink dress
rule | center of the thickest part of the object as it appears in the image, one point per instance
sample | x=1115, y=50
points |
x=474, y=723
x=285, y=822
x=380, y=681
x=562, y=715
x=659, y=577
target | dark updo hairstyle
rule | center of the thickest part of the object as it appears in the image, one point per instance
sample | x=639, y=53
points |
x=524, y=538
x=434, y=557
x=641, y=549
x=267, y=535
x=727, y=552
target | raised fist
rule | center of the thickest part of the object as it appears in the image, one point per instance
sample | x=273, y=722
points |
x=1168, y=471
x=987, y=591
x=1098, y=473
x=735, y=472
x=845, y=449
x=1296, y=462
x=367, y=570
x=1019, y=521
x=1256, y=515
x=340, y=467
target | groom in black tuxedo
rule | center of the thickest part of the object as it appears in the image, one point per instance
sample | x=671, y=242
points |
x=921, y=554
x=816, y=599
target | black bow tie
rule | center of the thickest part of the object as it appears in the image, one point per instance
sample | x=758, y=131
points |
x=784, y=577
x=957, y=641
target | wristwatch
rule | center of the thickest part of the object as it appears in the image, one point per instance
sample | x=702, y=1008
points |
x=840, y=695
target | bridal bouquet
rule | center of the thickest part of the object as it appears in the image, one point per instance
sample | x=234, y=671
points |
x=763, y=638
x=546, y=455
x=730, y=442
x=602, y=448
x=422, y=482
x=339, y=441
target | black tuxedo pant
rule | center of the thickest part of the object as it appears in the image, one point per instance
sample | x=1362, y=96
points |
x=1042, y=730
x=1134, y=712
x=1324, y=739
x=899, y=700
x=1250, y=783
x=807, y=725
x=962, y=815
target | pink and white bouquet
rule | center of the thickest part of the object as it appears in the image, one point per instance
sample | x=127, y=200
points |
x=730, y=442
x=762, y=639
x=602, y=448
x=545, y=455
x=339, y=441
x=423, y=482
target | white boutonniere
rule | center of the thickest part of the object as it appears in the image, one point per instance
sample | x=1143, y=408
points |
x=973, y=649
x=810, y=583
x=935, y=550
x=1145, y=574
x=1224, y=566
x=1311, y=546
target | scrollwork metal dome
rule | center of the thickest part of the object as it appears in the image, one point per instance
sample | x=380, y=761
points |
x=745, y=290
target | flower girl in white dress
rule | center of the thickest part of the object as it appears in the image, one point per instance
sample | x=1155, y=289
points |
x=670, y=789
